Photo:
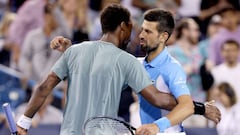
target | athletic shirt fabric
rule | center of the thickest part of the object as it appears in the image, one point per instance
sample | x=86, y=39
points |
x=97, y=71
x=167, y=76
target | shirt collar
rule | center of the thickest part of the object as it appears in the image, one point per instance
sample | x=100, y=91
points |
x=158, y=60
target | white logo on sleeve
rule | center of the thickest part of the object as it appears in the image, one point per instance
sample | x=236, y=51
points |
x=180, y=80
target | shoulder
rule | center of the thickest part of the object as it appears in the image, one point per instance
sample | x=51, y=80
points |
x=172, y=67
x=76, y=47
x=172, y=63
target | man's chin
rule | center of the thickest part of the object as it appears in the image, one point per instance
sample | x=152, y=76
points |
x=144, y=49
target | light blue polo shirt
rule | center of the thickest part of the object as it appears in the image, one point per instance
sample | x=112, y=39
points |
x=169, y=77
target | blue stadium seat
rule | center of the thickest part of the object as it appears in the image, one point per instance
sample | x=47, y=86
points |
x=10, y=87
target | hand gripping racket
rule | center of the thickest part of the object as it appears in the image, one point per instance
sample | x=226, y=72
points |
x=103, y=125
x=11, y=123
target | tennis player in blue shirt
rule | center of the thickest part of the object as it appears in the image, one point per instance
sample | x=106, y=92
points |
x=166, y=73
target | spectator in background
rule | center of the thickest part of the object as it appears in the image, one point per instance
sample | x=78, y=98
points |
x=5, y=47
x=29, y=17
x=212, y=29
x=74, y=12
x=212, y=7
x=37, y=58
x=229, y=70
x=230, y=30
x=230, y=110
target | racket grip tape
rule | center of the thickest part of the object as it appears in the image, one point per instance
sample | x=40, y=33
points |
x=8, y=113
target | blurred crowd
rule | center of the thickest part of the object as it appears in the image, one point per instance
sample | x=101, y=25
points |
x=205, y=42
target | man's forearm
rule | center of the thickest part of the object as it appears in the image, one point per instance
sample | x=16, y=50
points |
x=41, y=93
x=34, y=104
x=182, y=110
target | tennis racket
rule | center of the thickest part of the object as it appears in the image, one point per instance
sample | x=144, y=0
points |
x=11, y=123
x=103, y=125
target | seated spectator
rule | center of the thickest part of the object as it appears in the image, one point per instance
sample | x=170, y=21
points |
x=230, y=30
x=230, y=110
x=229, y=70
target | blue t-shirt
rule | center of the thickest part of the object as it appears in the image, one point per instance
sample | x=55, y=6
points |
x=167, y=76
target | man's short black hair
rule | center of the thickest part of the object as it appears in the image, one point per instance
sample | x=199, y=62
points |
x=226, y=9
x=112, y=16
x=164, y=18
x=232, y=42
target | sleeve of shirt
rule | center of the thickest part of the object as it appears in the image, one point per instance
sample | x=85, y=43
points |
x=136, y=76
x=60, y=68
x=177, y=82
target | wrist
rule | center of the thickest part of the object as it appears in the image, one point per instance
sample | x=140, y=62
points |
x=24, y=122
x=199, y=108
x=163, y=123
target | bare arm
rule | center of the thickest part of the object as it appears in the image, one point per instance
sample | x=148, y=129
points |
x=208, y=12
x=182, y=110
x=179, y=112
x=39, y=97
x=158, y=99
x=43, y=90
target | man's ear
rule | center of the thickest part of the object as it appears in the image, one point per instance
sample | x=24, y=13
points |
x=123, y=26
x=164, y=36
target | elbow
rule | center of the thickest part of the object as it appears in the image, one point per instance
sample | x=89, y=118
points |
x=167, y=103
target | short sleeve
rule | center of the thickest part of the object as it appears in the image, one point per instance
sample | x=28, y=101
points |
x=60, y=68
x=177, y=82
x=136, y=76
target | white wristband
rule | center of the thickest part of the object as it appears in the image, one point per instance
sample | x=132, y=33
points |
x=24, y=122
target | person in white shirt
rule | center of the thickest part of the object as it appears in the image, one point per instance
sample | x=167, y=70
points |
x=229, y=70
x=230, y=110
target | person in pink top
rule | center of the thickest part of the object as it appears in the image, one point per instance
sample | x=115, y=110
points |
x=230, y=31
x=29, y=17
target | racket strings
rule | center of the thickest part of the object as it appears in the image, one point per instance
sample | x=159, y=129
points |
x=106, y=126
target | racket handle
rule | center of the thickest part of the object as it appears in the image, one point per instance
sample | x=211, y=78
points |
x=11, y=123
